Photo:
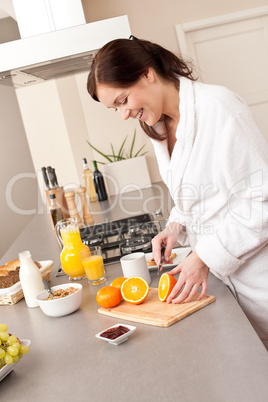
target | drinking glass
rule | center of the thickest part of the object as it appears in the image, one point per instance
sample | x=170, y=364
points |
x=93, y=264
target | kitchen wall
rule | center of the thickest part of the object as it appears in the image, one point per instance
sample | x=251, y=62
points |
x=18, y=186
x=60, y=116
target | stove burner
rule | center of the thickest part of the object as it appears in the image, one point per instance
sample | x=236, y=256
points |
x=125, y=236
x=136, y=244
x=134, y=231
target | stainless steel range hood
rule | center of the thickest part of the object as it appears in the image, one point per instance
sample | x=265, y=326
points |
x=62, y=52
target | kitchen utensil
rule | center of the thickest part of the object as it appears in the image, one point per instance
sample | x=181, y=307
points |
x=55, y=178
x=59, y=307
x=51, y=176
x=87, y=216
x=48, y=288
x=181, y=254
x=155, y=312
x=44, y=173
x=135, y=265
x=162, y=260
x=70, y=198
x=68, y=235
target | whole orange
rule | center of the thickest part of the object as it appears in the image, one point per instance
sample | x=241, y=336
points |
x=108, y=296
x=117, y=282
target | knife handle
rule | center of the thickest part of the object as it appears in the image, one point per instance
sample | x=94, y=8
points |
x=44, y=173
x=55, y=178
x=51, y=176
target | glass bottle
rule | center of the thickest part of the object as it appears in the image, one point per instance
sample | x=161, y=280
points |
x=30, y=279
x=55, y=210
x=99, y=183
x=88, y=178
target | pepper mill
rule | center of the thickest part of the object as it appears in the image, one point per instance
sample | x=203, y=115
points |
x=70, y=197
x=87, y=216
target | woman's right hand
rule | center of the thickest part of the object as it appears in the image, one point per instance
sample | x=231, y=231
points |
x=167, y=238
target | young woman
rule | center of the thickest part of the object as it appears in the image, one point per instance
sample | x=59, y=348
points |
x=213, y=159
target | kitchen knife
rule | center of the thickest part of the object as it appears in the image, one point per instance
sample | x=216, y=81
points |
x=162, y=259
x=44, y=173
x=51, y=176
x=55, y=178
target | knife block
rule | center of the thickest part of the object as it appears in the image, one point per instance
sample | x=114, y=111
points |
x=61, y=200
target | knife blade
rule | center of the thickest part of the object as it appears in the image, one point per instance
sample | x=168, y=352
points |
x=44, y=173
x=162, y=259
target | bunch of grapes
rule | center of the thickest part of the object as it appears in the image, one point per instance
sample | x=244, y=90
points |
x=11, y=350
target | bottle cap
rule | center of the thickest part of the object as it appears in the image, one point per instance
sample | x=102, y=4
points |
x=85, y=160
x=24, y=254
x=52, y=196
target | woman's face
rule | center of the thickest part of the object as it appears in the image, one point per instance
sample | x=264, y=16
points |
x=141, y=101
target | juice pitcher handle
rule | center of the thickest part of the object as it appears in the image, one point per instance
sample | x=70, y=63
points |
x=57, y=230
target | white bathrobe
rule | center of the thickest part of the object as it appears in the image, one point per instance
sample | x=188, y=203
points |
x=218, y=178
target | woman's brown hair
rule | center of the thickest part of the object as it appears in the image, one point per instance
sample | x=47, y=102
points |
x=122, y=62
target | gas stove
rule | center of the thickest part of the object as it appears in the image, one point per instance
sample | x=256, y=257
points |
x=124, y=236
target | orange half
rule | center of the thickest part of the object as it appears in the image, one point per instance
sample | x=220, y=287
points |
x=134, y=290
x=165, y=286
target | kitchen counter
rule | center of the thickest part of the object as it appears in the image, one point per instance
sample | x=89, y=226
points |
x=211, y=355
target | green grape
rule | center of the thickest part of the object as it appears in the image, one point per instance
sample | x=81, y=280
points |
x=3, y=327
x=12, y=351
x=16, y=359
x=16, y=345
x=4, y=336
x=2, y=363
x=24, y=349
x=12, y=339
x=2, y=353
x=8, y=359
x=0, y=342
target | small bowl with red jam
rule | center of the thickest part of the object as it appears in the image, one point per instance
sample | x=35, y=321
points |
x=116, y=334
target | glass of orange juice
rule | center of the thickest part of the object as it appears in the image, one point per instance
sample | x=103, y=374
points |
x=93, y=264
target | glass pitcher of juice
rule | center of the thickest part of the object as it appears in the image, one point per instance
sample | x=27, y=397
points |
x=67, y=231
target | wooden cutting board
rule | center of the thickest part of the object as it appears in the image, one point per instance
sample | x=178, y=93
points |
x=154, y=312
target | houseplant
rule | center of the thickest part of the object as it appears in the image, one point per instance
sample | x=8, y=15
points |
x=125, y=171
x=121, y=154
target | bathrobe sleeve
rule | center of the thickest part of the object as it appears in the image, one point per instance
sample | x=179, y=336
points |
x=242, y=157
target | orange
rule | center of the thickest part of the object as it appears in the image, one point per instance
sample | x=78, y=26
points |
x=135, y=290
x=108, y=296
x=165, y=286
x=117, y=283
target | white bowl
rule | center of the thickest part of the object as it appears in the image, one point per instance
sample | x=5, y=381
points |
x=121, y=338
x=60, y=307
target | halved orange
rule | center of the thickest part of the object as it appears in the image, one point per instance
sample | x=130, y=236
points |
x=135, y=290
x=165, y=286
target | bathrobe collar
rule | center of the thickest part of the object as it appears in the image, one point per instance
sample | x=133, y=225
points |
x=172, y=169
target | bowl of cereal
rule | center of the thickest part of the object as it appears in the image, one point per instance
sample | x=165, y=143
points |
x=66, y=299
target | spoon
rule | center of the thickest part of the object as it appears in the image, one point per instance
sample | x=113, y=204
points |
x=48, y=288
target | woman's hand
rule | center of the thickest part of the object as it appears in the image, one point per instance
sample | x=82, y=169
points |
x=167, y=238
x=193, y=273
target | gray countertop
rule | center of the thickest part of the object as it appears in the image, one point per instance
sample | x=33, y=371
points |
x=211, y=355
